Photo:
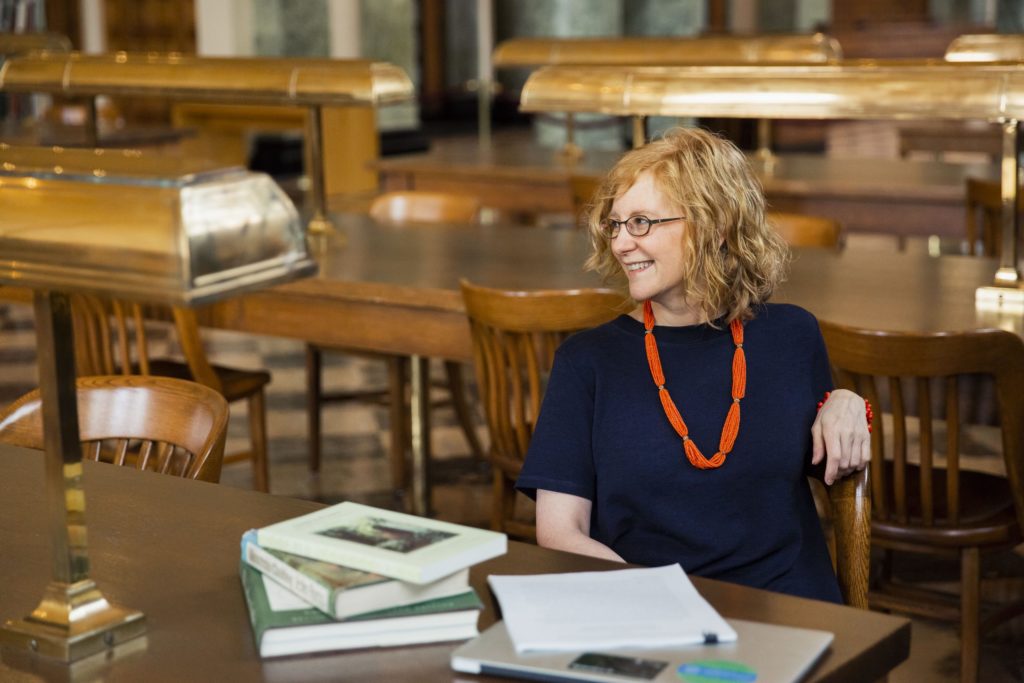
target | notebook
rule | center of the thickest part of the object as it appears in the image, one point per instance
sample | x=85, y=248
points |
x=766, y=653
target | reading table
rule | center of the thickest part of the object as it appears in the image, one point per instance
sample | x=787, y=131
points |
x=515, y=174
x=170, y=548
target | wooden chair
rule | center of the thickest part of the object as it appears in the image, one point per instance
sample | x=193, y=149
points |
x=802, y=230
x=409, y=207
x=984, y=216
x=110, y=338
x=515, y=334
x=418, y=206
x=161, y=424
x=924, y=505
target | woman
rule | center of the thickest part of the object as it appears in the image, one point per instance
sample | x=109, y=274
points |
x=691, y=443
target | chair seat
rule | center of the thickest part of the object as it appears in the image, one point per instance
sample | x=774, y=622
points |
x=235, y=383
x=987, y=514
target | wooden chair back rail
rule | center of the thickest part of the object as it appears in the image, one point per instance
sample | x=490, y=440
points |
x=515, y=334
x=896, y=357
x=803, y=230
x=169, y=425
x=420, y=206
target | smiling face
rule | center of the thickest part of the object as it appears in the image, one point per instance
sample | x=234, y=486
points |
x=655, y=264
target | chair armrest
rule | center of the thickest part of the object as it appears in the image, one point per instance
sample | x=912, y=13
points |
x=851, y=517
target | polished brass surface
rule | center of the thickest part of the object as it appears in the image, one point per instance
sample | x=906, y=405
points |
x=73, y=619
x=855, y=90
x=734, y=49
x=169, y=230
x=71, y=622
x=18, y=43
x=986, y=47
x=1009, y=274
x=245, y=80
x=859, y=90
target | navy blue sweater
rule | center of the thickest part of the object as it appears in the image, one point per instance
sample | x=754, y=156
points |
x=602, y=435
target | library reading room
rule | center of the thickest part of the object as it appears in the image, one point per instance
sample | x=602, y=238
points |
x=361, y=340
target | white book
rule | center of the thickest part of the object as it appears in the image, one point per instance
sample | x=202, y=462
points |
x=656, y=607
x=393, y=544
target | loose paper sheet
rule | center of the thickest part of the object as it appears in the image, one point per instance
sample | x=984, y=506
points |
x=657, y=607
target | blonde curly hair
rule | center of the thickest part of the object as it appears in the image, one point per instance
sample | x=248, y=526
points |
x=736, y=259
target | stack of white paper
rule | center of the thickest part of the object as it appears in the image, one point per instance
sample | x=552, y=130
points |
x=635, y=608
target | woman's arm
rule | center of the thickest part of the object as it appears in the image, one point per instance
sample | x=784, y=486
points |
x=563, y=523
x=840, y=433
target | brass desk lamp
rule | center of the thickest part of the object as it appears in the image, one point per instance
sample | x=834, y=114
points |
x=160, y=230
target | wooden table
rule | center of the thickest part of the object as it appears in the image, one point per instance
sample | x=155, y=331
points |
x=865, y=195
x=395, y=289
x=170, y=548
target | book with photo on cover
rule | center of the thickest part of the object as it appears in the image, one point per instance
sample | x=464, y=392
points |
x=340, y=591
x=285, y=624
x=397, y=545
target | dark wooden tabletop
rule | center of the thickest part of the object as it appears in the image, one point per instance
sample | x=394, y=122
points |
x=170, y=548
x=378, y=282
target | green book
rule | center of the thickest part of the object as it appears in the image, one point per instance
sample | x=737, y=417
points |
x=285, y=624
x=343, y=592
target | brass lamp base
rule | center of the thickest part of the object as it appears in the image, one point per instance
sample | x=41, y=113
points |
x=73, y=621
x=320, y=225
x=569, y=152
x=999, y=299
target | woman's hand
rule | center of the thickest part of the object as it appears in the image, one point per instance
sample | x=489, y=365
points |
x=840, y=433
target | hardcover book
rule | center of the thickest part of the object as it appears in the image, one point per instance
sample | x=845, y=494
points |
x=396, y=545
x=339, y=591
x=284, y=624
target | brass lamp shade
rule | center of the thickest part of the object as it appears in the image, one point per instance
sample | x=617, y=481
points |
x=814, y=48
x=238, y=80
x=986, y=47
x=174, y=231
x=17, y=43
x=862, y=90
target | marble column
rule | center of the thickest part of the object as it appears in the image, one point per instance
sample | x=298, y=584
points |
x=664, y=18
x=563, y=19
x=389, y=34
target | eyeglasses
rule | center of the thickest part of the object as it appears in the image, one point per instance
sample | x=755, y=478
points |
x=637, y=226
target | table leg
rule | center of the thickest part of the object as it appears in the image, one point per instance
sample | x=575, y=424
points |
x=420, y=434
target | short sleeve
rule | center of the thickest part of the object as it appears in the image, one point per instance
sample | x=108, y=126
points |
x=821, y=368
x=560, y=456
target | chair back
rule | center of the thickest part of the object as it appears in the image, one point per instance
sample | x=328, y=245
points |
x=417, y=206
x=110, y=338
x=984, y=203
x=515, y=334
x=166, y=425
x=802, y=230
x=583, y=189
x=925, y=499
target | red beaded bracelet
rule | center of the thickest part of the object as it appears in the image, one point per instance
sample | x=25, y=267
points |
x=869, y=415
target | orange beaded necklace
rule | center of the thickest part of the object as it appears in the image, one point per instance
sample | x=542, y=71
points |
x=739, y=386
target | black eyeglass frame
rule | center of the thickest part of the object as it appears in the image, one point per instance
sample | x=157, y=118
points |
x=610, y=227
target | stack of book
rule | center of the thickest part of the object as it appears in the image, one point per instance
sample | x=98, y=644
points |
x=354, y=576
